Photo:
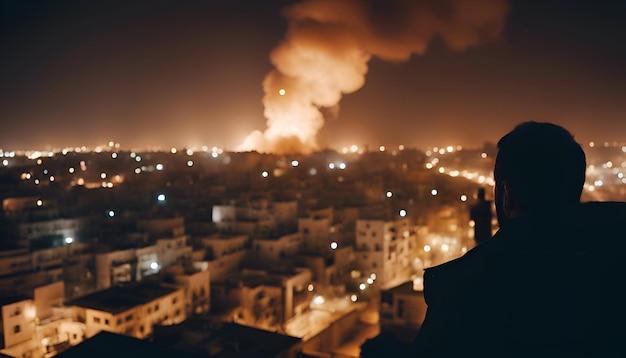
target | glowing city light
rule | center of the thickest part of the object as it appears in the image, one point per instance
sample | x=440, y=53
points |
x=5, y=162
x=103, y=175
x=389, y=194
x=353, y=298
x=483, y=155
x=434, y=192
x=382, y=148
x=362, y=286
x=69, y=240
x=154, y=265
x=427, y=248
x=333, y=245
x=402, y=213
x=463, y=197
x=159, y=167
x=331, y=165
x=190, y=163
x=310, y=287
x=265, y=174
x=369, y=281
x=161, y=197
x=282, y=92
x=295, y=163
x=114, y=155
x=111, y=213
x=39, y=202
x=342, y=166
x=318, y=300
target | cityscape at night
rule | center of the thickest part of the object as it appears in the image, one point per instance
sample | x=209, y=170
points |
x=272, y=179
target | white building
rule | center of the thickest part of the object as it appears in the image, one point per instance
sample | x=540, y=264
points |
x=35, y=325
x=62, y=228
x=385, y=248
x=131, y=309
x=224, y=254
x=271, y=251
x=315, y=232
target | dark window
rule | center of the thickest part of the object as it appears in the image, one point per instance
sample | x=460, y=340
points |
x=96, y=320
x=129, y=317
x=17, y=329
x=400, y=308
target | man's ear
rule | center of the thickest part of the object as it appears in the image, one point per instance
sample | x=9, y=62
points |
x=509, y=200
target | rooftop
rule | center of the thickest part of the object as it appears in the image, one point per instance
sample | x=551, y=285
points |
x=121, y=298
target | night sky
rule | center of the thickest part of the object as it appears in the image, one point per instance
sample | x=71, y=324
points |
x=190, y=73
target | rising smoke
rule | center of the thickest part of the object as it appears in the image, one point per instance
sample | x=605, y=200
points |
x=329, y=43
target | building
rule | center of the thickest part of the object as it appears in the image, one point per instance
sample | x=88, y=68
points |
x=224, y=254
x=403, y=305
x=385, y=248
x=39, y=325
x=271, y=251
x=130, y=309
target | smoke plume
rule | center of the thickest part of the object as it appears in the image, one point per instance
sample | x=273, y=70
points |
x=329, y=43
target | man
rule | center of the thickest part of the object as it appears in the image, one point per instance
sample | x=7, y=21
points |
x=551, y=280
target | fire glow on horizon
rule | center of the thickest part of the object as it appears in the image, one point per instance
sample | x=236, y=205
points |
x=327, y=48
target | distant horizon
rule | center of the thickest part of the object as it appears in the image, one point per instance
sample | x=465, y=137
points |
x=118, y=147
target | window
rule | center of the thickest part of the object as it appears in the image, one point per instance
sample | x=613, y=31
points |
x=96, y=320
x=17, y=329
x=106, y=321
x=156, y=307
x=129, y=317
x=400, y=308
x=174, y=300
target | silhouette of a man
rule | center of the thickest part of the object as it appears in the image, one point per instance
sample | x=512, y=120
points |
x=551, y=281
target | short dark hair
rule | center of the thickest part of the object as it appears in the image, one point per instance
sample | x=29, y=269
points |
x=544, y=164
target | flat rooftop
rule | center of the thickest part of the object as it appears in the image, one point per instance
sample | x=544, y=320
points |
x=122, y=298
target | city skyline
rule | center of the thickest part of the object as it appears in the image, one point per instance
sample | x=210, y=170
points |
x=185, y=74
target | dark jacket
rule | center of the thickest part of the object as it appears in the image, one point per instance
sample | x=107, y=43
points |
x=537, y=288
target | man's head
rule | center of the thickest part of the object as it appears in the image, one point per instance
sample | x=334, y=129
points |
x=539, y=171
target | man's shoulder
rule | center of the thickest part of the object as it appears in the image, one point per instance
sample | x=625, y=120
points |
x=474, y=259
x=459, y=275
